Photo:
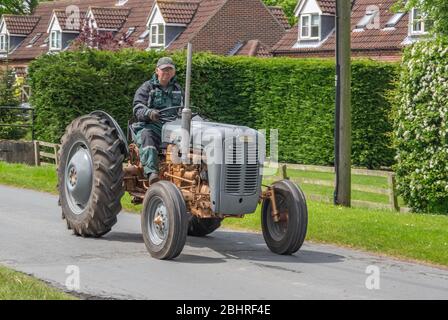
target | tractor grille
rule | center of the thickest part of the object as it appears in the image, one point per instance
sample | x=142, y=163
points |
x=241, y=167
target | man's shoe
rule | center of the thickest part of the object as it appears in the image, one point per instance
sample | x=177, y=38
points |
x=153, y=178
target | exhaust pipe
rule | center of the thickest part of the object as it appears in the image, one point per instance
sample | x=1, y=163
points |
x=186, y=111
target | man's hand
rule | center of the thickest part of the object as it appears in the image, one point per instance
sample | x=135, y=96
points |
x=154, y=115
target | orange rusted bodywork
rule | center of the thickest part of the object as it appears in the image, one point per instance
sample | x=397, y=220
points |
x=186, y=177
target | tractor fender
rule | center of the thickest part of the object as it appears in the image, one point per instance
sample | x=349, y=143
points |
x=121, y=135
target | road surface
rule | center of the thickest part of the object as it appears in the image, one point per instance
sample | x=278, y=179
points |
x=224, y=265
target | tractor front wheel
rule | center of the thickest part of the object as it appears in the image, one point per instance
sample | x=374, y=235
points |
x=285, y=233
x=164, y=220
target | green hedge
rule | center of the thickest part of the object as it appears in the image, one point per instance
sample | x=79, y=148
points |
x=421, y=127
x=295, y=96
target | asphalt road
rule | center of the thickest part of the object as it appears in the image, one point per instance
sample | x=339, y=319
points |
x=224, y=265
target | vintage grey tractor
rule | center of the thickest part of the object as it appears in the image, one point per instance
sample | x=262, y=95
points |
x=222, y=179
x=208, y=171
x=219, y=176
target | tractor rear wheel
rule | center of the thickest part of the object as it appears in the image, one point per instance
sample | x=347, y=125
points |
x=201, y=227
x=164, y=220
x=90, y=175
x=286, y=235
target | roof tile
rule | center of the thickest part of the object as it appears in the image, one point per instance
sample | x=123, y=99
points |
x=280, y=15
x=177, y=11
x=64, y=20
x=20, y=25
x=254, y=48
x=110, y=18
x=369, y=39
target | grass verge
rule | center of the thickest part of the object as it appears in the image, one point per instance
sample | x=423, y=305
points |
x=18, y=286
x=410, y=236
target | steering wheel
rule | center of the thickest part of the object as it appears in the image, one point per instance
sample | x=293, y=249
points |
x=167, y=118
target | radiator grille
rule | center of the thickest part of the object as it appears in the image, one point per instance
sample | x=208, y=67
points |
x=241, y=167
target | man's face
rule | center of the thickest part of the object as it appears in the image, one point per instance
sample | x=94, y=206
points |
x=165, y=75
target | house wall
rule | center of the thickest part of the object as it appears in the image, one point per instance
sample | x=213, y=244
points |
x=55, y=26
x=310, y=6
x=2, y=28
x=234, y=22
x=157, y=17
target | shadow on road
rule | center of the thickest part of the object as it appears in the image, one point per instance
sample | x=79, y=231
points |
x=251, y=247
x=232, y=245
x=123, y=237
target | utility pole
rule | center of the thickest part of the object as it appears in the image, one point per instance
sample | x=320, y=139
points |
x=343, y=140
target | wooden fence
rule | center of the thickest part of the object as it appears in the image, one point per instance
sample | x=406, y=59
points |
x=391, y=190
x=44, y=151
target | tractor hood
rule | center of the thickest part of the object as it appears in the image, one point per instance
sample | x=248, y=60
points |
x=204, y=133
x=234, y=156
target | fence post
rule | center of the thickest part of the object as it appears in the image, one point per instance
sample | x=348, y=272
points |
x=36, y=153
x=393, y=199
x=284, y=173
x=56, y=154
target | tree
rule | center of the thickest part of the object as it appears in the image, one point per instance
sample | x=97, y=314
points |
x=436, y=10
x=18, y=6
x=8, y=97
x=92, y=38
x=288, y=7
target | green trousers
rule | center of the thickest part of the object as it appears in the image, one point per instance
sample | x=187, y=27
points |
x=148, y=141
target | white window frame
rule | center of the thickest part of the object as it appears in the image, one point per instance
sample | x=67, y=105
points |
x=309, y=26
x=157, y=34
x=421, y=20
x=55, y=41
x=4, y=42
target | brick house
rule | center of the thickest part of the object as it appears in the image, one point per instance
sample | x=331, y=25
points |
x=225, y=27
x=377, y=31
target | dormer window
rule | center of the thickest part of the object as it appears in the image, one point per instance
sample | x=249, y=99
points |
x=55, y=40
x=4, y=42
x=366, y=21
x=129, y=32
x=417, y=22
x=310, y=26
x=46, y=40
x=157, y=35
x=394, y=20
x=143, y=36
x=121, y=2
x=34, y=39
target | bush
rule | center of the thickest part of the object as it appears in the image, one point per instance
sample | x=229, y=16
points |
x=295, y=96
x=8, y=97
x=421, y=127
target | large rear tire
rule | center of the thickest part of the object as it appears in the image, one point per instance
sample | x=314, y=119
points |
x=287, y=235
x=201, y=227
x=164, y=220
x=90, y=175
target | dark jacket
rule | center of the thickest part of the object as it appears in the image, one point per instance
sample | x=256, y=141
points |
x=151, y=96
